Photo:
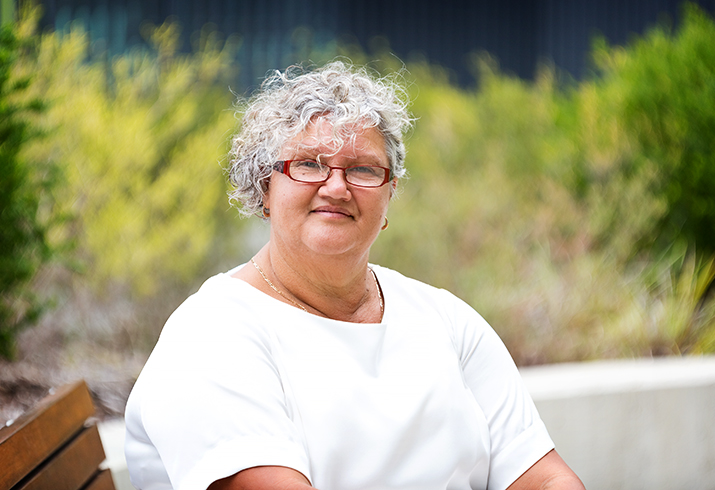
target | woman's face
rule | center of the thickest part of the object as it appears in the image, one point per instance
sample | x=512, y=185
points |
x=332, y=217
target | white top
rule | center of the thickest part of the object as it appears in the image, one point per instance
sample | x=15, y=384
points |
x=428, y=399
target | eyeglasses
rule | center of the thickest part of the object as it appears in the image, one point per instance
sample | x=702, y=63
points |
x=312, y=172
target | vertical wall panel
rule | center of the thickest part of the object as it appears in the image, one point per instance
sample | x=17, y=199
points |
x=275, y=33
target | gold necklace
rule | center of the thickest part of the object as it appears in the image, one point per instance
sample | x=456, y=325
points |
x=379, y=293
x=274, y=288
x=268, y=281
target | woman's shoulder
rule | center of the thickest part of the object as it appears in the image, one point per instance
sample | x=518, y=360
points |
x=385, y=274
x=397, y=283
x=414, y=298
x=222, y=317
x=223, y=305
x=217, y=292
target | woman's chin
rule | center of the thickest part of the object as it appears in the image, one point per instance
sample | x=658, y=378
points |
x=329, y=240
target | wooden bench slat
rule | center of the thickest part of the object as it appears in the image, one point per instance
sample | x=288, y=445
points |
x=103, y=481
x=36, y=434
x=71, y=468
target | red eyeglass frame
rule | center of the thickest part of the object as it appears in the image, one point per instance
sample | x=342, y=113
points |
x=283, y=167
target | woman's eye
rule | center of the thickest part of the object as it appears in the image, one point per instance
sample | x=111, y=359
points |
x=307, y=164
x=363, y=170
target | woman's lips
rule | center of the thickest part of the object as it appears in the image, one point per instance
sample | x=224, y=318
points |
x=332, y=211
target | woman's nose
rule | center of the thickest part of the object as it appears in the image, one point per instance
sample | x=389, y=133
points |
x=336, y=185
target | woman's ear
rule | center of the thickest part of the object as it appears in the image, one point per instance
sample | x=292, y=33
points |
x=266, y=187
x=265, y=210
x=266, y=206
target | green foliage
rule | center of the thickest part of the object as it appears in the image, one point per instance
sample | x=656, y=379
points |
x=22, y=184
x=661, y=90
x=541, y=205
x=688, y=314
x=141, y=137
x=538, y=205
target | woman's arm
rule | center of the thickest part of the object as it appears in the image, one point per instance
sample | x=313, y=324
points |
x=263, y=478
x=549, y=473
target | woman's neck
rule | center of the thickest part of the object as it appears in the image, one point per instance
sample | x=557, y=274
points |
x=337, y=287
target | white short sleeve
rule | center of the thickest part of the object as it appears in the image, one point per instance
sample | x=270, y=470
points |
x=518, y=436
x=207, y=353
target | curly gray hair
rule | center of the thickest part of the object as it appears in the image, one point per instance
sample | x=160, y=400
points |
x=289, y=101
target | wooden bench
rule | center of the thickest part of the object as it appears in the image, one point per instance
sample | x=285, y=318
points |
x=52, y=445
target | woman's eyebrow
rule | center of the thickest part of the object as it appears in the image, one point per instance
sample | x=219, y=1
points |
x=308, y=153
x=303, y=155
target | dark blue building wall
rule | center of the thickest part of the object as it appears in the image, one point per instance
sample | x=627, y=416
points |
x=276, y=33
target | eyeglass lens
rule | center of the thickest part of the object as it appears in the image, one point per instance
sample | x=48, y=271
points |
x=312, y=171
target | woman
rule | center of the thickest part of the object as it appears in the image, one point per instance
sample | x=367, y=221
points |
x=308, y=366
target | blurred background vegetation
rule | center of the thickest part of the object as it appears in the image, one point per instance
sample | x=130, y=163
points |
x=577, y=216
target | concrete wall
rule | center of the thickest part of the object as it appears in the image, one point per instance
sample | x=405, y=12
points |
x=112, y=434
x=640, y=424
x=646, y=424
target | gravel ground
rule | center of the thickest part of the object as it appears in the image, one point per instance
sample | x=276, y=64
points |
x=102, y=334
x=22, y=385
x=50, y=354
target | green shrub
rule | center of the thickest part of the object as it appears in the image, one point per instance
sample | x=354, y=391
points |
x=539, y=206
x=24, y=185
x=141, y=137
x=661, y=92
